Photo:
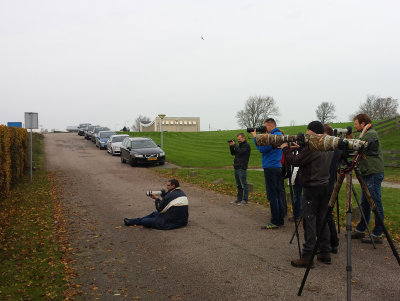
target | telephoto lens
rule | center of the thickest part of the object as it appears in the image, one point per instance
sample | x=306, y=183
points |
x=155, y=192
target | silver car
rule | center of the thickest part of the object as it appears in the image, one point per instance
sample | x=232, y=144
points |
x=114, y=144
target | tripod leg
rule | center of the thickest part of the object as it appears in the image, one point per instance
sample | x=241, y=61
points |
x=348, y=230
x=337, y=215
x=298, y=221
x=377, y=214
x=296, y=225
x=325, y=221
x=363, y=215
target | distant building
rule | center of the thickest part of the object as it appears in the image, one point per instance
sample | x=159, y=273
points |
x=172, y=124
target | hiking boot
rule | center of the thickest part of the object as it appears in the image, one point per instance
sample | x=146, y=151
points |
x=324, y=258
x=377, y=239
x=236, y=202
x=242, y=203
x=302, y=262
x=126, y=221
x=270, y=227
x=334, y=250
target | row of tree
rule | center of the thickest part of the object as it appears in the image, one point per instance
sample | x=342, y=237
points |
x=259, y=108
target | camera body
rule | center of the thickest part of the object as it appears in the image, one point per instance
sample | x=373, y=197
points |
x=342, y=132
x=260, y=129
x=232, y=140
x=160, y=193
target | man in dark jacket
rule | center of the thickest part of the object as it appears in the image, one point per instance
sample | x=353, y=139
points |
x=240, y=164
x=172, y=210
x=314, y=177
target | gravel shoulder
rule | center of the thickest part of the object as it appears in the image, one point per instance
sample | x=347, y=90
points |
x=222, y=254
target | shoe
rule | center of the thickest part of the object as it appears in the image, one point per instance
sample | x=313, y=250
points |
x=302, y=262
x=334, y=250
x=357, y=235
x=270, y=227
x=242, y=203
x=377, y=239
x=324, y=258
x=236, y=202
x=126, y=221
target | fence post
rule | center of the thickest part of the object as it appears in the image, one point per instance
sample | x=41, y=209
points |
x=394, y=162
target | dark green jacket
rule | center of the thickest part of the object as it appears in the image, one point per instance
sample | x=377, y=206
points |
x=371, y=162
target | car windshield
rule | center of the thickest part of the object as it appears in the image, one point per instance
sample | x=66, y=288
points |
x=143, y=144
x=106, y=134
x=96, y=130
x=118, y=138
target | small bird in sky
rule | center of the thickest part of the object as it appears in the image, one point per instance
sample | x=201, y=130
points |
x=202, y=37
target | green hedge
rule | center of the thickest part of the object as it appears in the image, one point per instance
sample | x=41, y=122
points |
x=14, y=157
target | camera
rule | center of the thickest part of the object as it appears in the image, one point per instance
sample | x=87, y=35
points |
x=232, y=140
x=342, y=132
x=161, y=192
x=260, y=129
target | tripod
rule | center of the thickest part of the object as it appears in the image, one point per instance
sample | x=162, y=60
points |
x=347, y=172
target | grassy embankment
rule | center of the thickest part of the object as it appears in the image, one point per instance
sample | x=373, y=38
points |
x=207, y=153
x=31, y=265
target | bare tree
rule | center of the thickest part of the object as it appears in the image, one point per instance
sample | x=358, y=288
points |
x=378, y=108
x=138, y=120
x=325, y=112
x=256, y=110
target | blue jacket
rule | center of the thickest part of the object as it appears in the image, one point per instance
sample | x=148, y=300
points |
x=271, y=157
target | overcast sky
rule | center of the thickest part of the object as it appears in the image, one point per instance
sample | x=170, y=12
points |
x=106, y=62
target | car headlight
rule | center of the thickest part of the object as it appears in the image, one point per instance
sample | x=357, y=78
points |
x=116, y=148
x=137, y=156
x=162, y=154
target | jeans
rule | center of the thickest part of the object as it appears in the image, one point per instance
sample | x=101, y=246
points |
x=315, y=206
x=146, y=221
x=373, y=183
x=273, y=185
x=241, y=184
x=297, y=193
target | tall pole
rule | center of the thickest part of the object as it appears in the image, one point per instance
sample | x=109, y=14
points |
x=162, y=116
x=31, y=158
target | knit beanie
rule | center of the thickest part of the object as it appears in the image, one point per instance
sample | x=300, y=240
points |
x=316, y=126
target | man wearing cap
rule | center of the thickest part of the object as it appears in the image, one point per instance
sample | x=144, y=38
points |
x=314, y=177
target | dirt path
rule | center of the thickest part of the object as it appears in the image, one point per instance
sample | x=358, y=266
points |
x=222, y=255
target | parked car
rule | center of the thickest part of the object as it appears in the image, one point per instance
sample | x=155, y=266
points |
x=89, y=132
x=114, y=144
x=102, y=138
x=81, y=128
x=96, y=130
x=140, y=150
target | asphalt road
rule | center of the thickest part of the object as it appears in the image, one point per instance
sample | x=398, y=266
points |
x=221, y=255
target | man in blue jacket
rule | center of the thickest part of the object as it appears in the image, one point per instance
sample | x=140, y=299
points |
x=271, y=163
x=172, y=210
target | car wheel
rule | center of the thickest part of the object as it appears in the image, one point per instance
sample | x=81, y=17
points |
x=161, y=163
x=122, y=159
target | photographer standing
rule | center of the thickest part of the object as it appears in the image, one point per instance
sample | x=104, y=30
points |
x=372, y=169
x=271, y=163
x=172, y=210
x=314, y=177
x=240, y=164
